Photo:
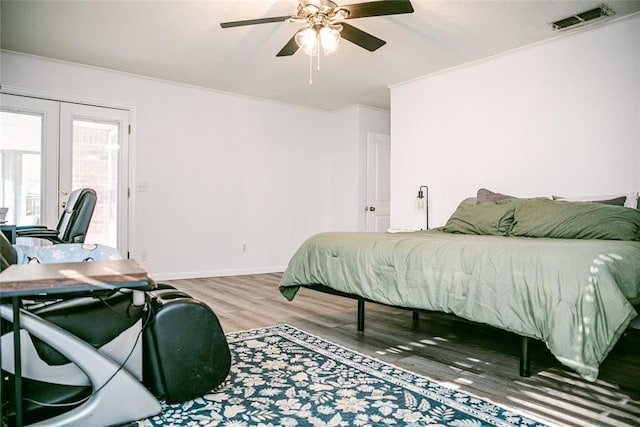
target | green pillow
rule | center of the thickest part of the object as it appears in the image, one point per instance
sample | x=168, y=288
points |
x=574, y=220
x=484, y=218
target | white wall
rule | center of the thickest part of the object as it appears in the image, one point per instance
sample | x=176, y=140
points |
x=348, y=176
x=343, y=174
x=222, y=170
x=560, y=117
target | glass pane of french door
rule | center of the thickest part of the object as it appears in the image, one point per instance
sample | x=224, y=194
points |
x=95, y=165
x=20, y=154
x=93, y=153
x=28, y=155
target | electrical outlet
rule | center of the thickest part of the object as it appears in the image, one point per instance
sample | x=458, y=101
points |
x=245, y=248
x=142, y=187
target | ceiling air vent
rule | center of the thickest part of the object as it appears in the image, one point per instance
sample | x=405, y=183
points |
x=583, y=18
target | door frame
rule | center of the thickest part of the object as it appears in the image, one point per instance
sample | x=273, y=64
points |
x=131, y=172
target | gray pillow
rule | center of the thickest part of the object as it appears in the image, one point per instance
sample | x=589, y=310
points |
x=488, y=196
x=616, y=201
x=630, y=202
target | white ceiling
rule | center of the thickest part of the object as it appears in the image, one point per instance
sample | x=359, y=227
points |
x=182, y=41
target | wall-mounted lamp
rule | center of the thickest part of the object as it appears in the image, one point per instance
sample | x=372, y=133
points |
x=422, y=202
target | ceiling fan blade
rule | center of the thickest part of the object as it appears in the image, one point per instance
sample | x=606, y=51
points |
x=254, y=21
x=378, y=8
x=290, y=48
x=361, y=38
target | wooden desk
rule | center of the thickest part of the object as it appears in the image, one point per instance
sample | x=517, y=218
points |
x=64, y=278
x=57, y=280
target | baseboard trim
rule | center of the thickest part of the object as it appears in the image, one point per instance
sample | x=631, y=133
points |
x=158, y=276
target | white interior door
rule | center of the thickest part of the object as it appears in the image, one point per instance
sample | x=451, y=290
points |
x=378, y=182
x=94, y=153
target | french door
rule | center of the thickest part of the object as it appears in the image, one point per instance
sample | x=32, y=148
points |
x=50, y=148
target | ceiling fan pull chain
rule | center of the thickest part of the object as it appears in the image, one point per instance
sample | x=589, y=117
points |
x=310, y=70
x=319, y=48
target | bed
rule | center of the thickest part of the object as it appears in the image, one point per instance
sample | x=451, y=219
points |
x=566, y=273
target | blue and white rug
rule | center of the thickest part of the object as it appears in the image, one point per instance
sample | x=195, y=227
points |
x=282, y=376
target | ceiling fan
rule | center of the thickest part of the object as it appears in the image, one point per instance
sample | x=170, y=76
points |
x=324, y=24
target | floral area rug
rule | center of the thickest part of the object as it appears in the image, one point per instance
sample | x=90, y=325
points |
x=282, y=376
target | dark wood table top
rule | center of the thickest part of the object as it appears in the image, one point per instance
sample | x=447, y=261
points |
x=61, y=278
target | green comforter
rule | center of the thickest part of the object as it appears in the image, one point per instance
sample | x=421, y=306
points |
x=575, y=295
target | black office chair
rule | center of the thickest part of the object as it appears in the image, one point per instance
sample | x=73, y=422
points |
x=74, y=221
x=8, y=253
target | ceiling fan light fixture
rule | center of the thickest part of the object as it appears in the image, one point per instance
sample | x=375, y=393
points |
x=329, y=39
x=310, y=8
x=311, y=38
x=340, y=13
x=307, y=40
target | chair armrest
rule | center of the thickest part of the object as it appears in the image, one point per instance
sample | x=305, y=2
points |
x=40, y=233
x=35, y=232
x=30, y=227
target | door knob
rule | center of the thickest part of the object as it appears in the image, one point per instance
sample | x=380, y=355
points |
x=65, y=192
x=372, y=208
x=63, y=204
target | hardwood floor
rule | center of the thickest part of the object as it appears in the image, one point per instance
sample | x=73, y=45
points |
x=473, y=358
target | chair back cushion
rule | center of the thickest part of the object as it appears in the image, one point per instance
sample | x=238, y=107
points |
x=8, y=253
x=74, y=221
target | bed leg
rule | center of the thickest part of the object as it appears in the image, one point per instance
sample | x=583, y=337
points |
x=525, y=360
x=360, y=315
x=416, y=318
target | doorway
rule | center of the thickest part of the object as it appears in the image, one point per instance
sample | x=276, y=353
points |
x=49, y=148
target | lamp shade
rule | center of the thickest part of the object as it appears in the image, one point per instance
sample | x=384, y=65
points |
x=329, y=39
x=307, y=40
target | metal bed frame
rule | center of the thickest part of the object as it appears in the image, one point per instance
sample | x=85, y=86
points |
x=525, y=353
